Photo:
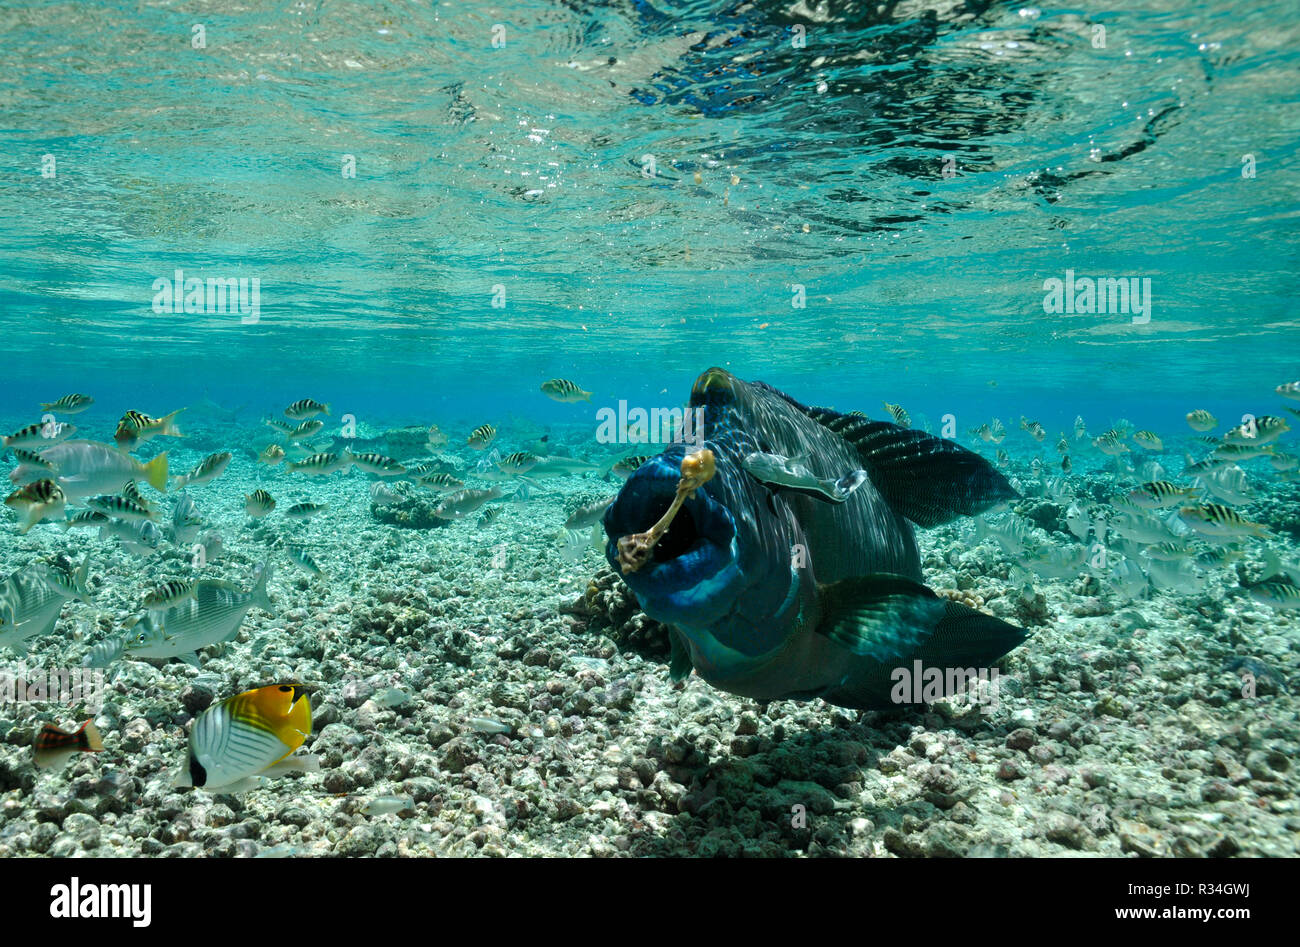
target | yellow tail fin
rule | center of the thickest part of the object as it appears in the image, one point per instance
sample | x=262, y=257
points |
x=156, y=472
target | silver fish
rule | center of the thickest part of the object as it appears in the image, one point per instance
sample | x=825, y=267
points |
x=30, y=603
x=586, y=516
x=213, y=614
x=185, y=521
x=208, y=469
x=458, y=505
x=790, y=473
x=88, y=468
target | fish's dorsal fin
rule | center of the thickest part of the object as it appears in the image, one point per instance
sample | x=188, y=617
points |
x=930, y=480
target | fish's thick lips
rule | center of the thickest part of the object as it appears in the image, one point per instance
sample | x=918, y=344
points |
x=701, y=533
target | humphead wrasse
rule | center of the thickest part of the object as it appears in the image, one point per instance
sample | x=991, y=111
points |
x=782, y=594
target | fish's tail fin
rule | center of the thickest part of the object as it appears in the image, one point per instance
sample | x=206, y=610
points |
x=90, y=740
x=155, y=473
x=1272, y=565
x=167, y=424
x=896, y=626
x=260, y=597
x=326, y=407
x=79, y=580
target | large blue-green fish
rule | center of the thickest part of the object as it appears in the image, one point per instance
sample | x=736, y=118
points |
x=781, y=593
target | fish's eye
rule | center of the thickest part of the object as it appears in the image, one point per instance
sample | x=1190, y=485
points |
x=286, y=689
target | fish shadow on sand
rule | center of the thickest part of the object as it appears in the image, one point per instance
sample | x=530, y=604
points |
x=799, y=794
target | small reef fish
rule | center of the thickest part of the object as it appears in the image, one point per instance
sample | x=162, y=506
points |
x=520, y=462
x=40, y=436
x=376, y=464
x=305, y=408
x=381, y=494
x=319, y=465
x=1066, y=466
x=1110, y=444
x=1263, y=430
x=901, y=417
x=122, y=508
x=1080, y=428
x=1220, y=522
x=1171, y=551
x=435, y=438
x=389, y=805
x=490, y=516
x=239, y=740
x=258, y=503
x=1245, y=451
x=1277, y=591
x=1201, y=420
x=31, y=600
x=481, y=437
x=186, y=520
x=271, y=455
x=136, y=428
x=440, y=482
x=69, y=404
x=305, y=430
x=167, y=595
x=587, y=516
x=1148, y=440
x=54, y=747
x=141, y=538
x=627, y=466
x=213, y=613
x=32, y=459
x=458, y=505
x=564, y=391
x=301, y=558
x=87, y=468
x=1160, y=495
x=278, y=426
x=1033, y=429
x=37, y=501
x=1290, y=390
x=789, y=473
x=1228, y=485
x=208, y=469
x=305, y=511
x=85, y=518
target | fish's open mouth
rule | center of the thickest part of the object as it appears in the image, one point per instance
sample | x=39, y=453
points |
x=681, y=572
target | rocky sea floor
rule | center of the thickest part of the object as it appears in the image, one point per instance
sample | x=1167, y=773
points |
x=1121, y=727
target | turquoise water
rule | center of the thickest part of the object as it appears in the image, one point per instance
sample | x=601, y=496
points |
x=523, y=166
x=444, y=205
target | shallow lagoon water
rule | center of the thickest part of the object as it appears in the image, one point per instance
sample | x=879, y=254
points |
x=443, y=208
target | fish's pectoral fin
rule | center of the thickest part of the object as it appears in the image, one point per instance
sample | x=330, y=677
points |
x=880, y=616
x=679, y=664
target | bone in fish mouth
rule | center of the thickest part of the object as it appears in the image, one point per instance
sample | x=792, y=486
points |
x=634, y=549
